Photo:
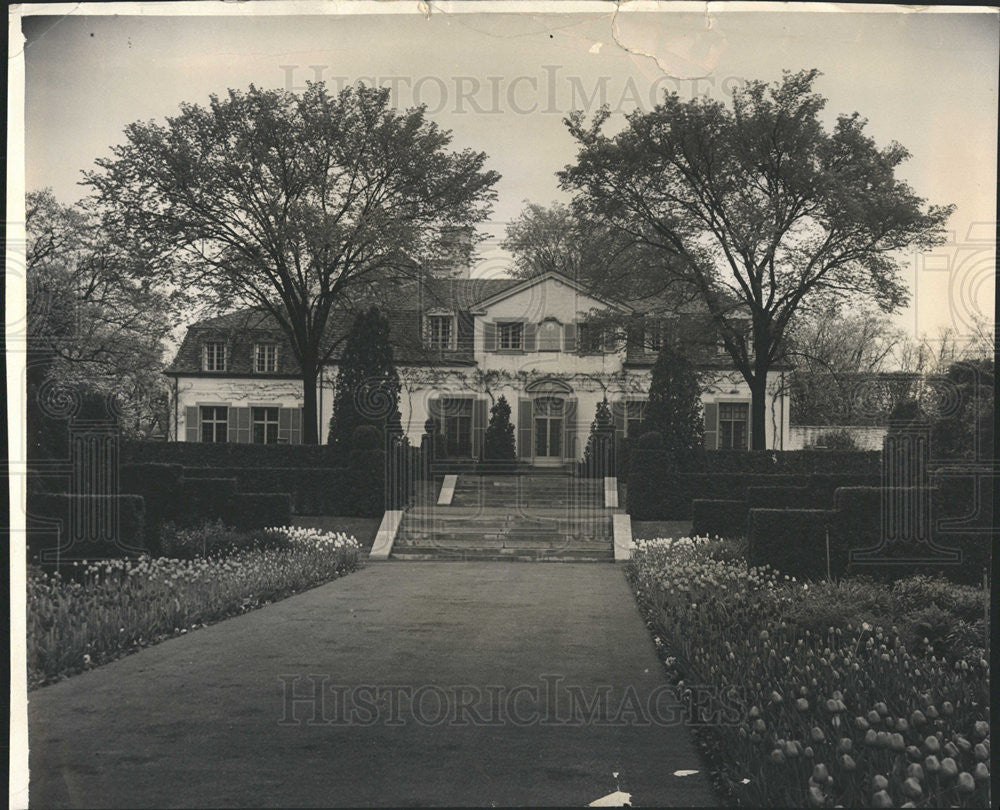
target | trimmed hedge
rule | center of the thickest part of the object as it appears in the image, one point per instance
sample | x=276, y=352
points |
x=780, y=497
x=655, y=493
x=718, y=518
x=314, y=491
x=794, y=541
x=803, y=462
x=256, y=510
x=859, y=527
x=825, y=485
x=159, y=486
x=48, y=544
x=227, y=454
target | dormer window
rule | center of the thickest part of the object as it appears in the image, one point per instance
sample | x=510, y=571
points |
x=214, y=357
x=265, y=358
x=440, y=332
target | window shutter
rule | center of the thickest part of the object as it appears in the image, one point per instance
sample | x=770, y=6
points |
x=478, y=427
x=749, y=424
x=569, y=337
x=243, y=425
x=569, y=422
x=711, y=426
x=524, y=427
x=489, y=336
x=284, y=425
x=618, y=418
x=192, y=426
x=295, y=435
x=235, y=416
x=530, y=337
x=225, y=358
x=434, y=411
x=463, y=338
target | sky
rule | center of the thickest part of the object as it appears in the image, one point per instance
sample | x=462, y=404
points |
x=504, y=82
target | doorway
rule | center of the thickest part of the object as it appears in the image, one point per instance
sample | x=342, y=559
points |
x=549, y=414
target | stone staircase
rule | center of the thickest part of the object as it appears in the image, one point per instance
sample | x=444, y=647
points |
x=540, y=516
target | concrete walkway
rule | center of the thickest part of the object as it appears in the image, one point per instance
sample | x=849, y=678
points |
x=198, y=721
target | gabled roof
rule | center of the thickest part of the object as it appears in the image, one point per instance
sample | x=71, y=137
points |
x=520, y=285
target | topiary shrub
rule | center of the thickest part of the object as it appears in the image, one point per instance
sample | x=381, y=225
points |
x=498, y=442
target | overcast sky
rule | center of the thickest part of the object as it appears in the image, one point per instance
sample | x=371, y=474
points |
x=503, y=83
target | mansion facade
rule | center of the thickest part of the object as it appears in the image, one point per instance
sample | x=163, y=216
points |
x=459, y=344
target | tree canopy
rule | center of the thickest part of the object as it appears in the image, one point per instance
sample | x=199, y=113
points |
x=96, y=322
x=304, y=205
x=757, y=207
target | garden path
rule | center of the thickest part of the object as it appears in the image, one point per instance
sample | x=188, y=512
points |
x=196, y=721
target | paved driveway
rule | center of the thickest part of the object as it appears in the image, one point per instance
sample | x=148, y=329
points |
x=206, y=720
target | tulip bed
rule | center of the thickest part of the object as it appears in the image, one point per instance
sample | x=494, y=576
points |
x=103, y=610
x=847, y=703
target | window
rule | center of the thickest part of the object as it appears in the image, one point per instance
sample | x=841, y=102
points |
x=265, y=425
x=635, y=412
x=265, y=358
x=549, y=336
x=510, y=336
x=733, y=418
x=214, y=423
x=215, y=357
x=440, y=331
x=591, y=338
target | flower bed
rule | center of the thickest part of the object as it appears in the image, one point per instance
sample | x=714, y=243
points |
x=856, y=694
x=113, y=607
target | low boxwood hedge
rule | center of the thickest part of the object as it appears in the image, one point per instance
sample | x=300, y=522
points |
x=63, y=528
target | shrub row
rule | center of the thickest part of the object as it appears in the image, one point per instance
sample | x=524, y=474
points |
x=655, y=493
x=809, y=543
x=314, y=491
x=63, y=528
x=229, y=454
x=801, y=462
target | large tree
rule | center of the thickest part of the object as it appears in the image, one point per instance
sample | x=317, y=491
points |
x=96, y=325
x=301, y=204
x=757, y=207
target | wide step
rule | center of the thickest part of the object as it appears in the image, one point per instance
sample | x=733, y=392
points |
x=513, y=517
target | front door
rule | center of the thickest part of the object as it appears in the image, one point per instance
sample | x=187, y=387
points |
x=548, y=413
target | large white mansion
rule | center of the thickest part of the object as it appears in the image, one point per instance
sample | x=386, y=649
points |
x=459, y=343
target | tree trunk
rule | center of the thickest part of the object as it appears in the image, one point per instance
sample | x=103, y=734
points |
x=758, y=412
x=310, y=430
